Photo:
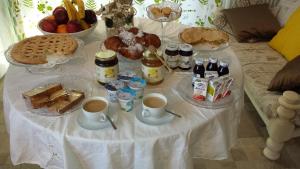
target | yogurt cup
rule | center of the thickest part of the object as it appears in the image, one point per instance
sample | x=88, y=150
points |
x=126, y=76
x=112, y=88
x=126, y=97
x=137, y=84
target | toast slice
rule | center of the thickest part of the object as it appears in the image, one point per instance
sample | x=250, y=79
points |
x=41, y=92
x=64, y=105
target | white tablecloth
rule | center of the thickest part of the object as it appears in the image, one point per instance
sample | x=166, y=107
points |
x=59, y=142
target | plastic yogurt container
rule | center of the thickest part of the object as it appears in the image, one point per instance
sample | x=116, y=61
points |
x=112, y=88
x=126, y=97
x=137, y=84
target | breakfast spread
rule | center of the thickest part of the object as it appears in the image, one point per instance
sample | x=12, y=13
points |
x=152, y=68
x=195, y=35
x=132, y=43
x=37, y=49
x=53, y=97
x=68, y=19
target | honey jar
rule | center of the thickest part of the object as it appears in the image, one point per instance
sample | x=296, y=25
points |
x=152, y=68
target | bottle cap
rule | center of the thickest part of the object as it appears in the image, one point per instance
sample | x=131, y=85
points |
x=172, y=47
x=223, y=64
x=213, y=60
x=199, y=61
x=185, y=47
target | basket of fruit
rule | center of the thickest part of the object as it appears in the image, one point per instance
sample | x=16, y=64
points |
x=72, y=19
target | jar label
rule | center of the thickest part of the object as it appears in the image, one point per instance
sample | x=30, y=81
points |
x=172, y=58
x=107, y=74
x=152, y=74
x=185, y=62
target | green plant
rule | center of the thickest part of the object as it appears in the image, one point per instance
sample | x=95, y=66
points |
x=28, y=3
x=43, y=7
x=203, y=2
x=139, y=1
x=218, y=3
x=91, y=4
x=200, y=22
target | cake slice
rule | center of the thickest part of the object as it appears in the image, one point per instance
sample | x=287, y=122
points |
x=62, y=106
x=41, y=92
x=57, y=96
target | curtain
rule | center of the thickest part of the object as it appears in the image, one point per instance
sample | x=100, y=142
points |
x=11, y=29
x=195, y=12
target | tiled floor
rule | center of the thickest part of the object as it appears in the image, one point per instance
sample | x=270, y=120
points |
x=247, y=154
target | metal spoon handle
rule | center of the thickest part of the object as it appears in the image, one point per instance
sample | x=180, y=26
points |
x=177, y=115
x=111, y=122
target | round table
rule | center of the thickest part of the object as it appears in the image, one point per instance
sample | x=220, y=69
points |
x=59, y=142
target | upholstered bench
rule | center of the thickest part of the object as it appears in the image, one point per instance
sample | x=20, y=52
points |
x=278, y=110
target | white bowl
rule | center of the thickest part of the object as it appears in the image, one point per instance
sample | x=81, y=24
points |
x=80, y=34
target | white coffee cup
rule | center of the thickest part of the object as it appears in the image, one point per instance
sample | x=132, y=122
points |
x=154, y=105
x=95, y=109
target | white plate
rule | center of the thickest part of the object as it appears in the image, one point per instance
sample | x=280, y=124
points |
x=167, y=118
x=69, y=82
x=52, y=61
x=92, y=125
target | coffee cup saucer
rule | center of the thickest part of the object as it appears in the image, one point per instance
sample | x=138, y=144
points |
x=96, y=125
x=166, y=118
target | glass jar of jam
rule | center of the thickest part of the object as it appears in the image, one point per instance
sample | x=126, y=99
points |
x=185, y=52
x=212, y=64
x=223, y=68
x=171, y=54
x=199, y=70
x=152, y=68
x=107, y=67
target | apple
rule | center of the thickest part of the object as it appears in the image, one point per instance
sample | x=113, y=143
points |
x=48, y=25
x=61, y=15
x=73, y=26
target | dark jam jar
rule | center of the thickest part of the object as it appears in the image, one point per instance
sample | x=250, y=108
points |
x=223, y=68
x=107, y=67
x=198, y=71
x=212, y=64
x=185, y=54
x=171, y=54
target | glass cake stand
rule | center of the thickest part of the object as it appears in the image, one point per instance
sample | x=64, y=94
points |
x=174, y=15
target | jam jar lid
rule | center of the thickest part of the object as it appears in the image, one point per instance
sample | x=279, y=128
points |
x=223, y=64
x=105, y=55
x=199, y=61
x=126, y=94
x=213, y=60
x=126, y=75
x=186, y=47
x=172, y=47
x=114, y=85
x=137, y=82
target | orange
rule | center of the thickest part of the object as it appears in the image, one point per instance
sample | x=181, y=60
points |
x=62, y=28
x=51, y=17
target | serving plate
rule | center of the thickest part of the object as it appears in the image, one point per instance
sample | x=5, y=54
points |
x=53, y=60
x=69, y=82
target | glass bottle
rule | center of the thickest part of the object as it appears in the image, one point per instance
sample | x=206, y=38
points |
x=223, y=68
x=199, y=70
x=212, y=64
